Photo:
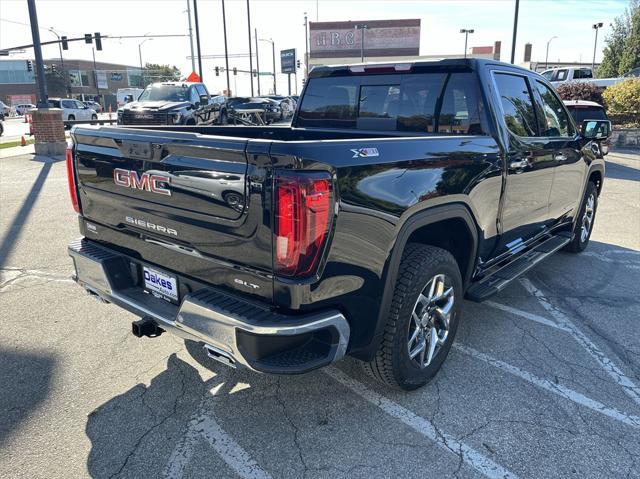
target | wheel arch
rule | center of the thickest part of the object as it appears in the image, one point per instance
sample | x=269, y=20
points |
x=451, y=227
x=596, y=174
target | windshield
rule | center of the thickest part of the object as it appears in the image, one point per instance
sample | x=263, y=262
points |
x=165, y=93
x=548, y=74
x=587, y=113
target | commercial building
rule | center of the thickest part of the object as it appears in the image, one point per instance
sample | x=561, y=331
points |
x=332, y=43
x=79, y=79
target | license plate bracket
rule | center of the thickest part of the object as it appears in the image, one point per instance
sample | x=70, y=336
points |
x=160, y=284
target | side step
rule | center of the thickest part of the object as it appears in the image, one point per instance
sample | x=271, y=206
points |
x=499, y=279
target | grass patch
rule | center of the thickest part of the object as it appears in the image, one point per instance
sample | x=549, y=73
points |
x=11, y=144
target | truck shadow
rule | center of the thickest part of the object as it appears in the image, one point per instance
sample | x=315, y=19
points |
x=25, y=382
x=617, y=171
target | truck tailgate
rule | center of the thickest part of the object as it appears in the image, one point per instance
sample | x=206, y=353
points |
x=184, y=201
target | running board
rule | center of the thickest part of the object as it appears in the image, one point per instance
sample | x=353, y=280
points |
x=498, y=280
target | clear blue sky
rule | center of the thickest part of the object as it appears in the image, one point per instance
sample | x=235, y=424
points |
x=282, y=20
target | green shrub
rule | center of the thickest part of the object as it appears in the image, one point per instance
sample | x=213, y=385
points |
x=623, y=97
x=579, y=91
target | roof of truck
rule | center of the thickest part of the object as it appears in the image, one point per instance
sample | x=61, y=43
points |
x=402, y=66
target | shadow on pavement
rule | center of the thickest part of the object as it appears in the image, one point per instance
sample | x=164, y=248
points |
x=118, y=428
x=13, y=230
x=621, y=172
x=25, y=382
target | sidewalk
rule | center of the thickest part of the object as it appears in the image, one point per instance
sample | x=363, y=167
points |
x=17, y=151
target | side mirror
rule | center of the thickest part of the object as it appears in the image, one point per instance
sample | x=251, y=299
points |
x=596, y=129
x=128, y=98
x=204, y=99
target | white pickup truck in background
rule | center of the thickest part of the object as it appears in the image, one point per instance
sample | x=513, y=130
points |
x=581, y=74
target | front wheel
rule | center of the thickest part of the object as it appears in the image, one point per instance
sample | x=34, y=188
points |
x=422, y=321
x=584, y=221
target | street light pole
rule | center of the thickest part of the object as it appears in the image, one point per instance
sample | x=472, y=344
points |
x=515, y=32
x=226, y=52
x=273, y=50
x=37, y=50
x=596, y=27
x=257, y=60
x=306, y=47
x=140, y=56
x=195, y=17
x=193, y=57
x=546, y=58
x=362, y=27
x=250, y=55
x=466, y=32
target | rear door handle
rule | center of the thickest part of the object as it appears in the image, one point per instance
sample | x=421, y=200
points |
x=560, y=157
x=520, y=164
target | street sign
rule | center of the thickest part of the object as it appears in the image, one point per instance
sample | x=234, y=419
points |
x=288, y=60
x=194, y=77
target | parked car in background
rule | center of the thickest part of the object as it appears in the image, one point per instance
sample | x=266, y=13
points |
x=73, y=110
x=239, y=107
x=4, y=109
x=580, y=74
x=23, y=108
x=635, y=73
x=95, y=105
x=220, y=101
x=1, y=123
x=582, y=110
x=170, y=103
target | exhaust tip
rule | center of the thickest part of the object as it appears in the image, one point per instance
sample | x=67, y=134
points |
x=219, y=355
x=146, y=327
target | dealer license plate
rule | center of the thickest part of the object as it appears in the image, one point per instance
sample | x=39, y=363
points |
x=160, y=284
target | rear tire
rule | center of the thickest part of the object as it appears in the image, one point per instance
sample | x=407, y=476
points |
x=584, y=221
x=416, y=318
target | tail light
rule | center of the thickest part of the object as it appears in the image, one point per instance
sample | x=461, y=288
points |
x=73, y=189
x=302, y=221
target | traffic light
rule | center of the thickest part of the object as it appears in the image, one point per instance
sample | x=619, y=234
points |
x=54, y=69
x=255, y=72
x=29, y=66
x=217, y=71
x=297, y=63
x=87, y=38
x=235, y=71
x=65, y=44
x=98, y=40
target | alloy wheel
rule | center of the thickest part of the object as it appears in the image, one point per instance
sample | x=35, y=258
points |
x=430, y=320
x=587, y=217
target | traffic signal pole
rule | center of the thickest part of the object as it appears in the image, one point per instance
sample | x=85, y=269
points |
x=37, y=50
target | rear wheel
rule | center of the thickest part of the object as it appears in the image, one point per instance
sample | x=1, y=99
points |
x=222, y=119
x=422, y=321
x=584, y=222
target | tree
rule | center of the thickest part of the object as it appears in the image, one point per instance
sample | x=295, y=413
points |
x=631, y=54
x=574, y=90
x=56, y=81
x=622, y=44
x=154, y=72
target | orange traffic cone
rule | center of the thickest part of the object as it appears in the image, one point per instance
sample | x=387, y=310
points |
x=109, y=112
x=23, y=142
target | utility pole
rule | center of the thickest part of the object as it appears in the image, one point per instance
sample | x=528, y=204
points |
x=596, y=27
x=193, y=57
x=546, y=57
x=362, y=27
x=37, y=50
x=515, y=32
x=226, y=53
x=95, y=73
x=466, y=32
x=195, y=14
x=306, y=47
x=250, y=55
x=273, y=50
x=257, y=60
x=64, y=73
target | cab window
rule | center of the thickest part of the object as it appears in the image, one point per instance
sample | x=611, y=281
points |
x=554, y=117
x=517, y=104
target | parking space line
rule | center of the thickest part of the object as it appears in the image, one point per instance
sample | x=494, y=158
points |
x=204, y=425
x=526, y=315
x=421, y=425
x=609, y=366
x=606, y=259
x=550, y=386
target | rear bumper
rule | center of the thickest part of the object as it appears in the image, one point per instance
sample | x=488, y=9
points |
x=234, y=331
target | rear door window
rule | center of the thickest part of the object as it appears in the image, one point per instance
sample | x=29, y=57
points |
x=445, y=103
x=517, y=104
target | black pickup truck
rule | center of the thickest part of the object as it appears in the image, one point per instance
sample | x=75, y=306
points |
x=398, y=190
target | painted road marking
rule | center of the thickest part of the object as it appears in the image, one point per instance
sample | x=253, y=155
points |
x=421, y=425
x=524, y=314
x=609, y=366
x=550, y=386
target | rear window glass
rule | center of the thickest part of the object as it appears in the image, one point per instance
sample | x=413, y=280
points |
x=445, y=103
x=580, y=114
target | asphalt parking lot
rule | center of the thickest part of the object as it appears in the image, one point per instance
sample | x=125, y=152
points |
x=543, y=380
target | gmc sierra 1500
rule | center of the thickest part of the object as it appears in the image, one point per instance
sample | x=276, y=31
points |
x=398, y=190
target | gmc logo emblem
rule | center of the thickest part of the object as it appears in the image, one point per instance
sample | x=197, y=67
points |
x=147, y=182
